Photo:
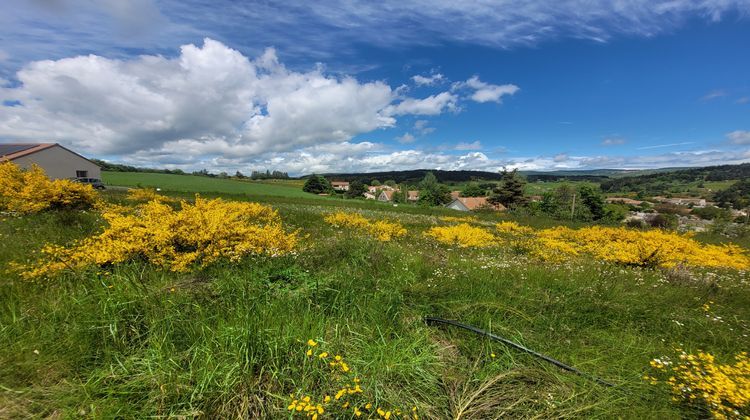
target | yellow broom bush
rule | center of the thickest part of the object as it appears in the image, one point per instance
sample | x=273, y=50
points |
x=698, y=379
x=31, y=191
x=651, y=248
x=513, y=228
x=146, y=194
x=459, y=219
x=463, y=235
x=380, y=229
x=196, y=235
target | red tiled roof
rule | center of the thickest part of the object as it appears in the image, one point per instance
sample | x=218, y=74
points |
x=473, y=203
x=22, y=149
x=25, y=149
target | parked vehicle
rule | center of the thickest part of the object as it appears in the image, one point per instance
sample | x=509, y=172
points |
x=94, y=182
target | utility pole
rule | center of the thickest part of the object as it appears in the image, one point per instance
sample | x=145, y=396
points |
x=573, y=207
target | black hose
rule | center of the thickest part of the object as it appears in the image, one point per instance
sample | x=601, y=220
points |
x=432, y=320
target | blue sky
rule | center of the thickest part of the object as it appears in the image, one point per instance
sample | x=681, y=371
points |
x=360, y=86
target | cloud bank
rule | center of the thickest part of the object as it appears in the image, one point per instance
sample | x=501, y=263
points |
x=211, y=105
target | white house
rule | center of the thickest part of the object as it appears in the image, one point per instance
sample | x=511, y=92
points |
x=386, y=195
x=57, y=161
x=340, y=185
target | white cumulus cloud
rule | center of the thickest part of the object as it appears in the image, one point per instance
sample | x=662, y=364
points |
x=739, y=137
x=406, y=138
x=486, y=92
x=431, y=105
x=432, y=79
x=209, y=100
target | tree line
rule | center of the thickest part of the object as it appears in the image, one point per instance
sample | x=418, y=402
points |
x=583, y=203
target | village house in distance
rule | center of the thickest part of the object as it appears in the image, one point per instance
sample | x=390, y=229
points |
x=473, y=203
x=57, y=161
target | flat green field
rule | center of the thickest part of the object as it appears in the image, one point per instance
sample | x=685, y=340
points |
x=230, y=340
x=202, y=184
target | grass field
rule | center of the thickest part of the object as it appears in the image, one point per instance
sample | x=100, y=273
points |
x=230, y=340
x=202, y=184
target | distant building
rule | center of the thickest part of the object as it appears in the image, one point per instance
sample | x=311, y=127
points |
x=473, y=203
x=57, y=161
x=412, y=196
x=340, y=185
x=455, y=194
x=386, y=195
x=369, y=196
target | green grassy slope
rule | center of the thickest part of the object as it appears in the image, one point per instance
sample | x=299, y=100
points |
x=201, y=184
x=229, y=341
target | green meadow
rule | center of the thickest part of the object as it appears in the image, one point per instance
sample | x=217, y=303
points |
x=230, y=340
x=204, y=184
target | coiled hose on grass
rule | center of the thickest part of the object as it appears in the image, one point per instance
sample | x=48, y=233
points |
x=429, y=320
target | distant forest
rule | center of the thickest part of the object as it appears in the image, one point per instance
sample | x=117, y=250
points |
x=117, y=167
x=660, y=183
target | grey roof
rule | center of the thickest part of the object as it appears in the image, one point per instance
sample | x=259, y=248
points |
x=7, y=149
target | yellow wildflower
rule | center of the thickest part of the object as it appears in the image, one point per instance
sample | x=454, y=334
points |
x=463, y=235
x=381, y=230
x=31, y=191
x=196, y=235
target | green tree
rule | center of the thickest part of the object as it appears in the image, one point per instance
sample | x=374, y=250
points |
x=473, y=190
x=433, y=193
x=317, y=184
x=593, y=200
x=356, y=189
x=737, y=195
x=375, y=183
x=510, y=190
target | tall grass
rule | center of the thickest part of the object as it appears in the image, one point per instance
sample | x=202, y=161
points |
x=229, y=340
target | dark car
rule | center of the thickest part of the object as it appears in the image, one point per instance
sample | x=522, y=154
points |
x=94, y=182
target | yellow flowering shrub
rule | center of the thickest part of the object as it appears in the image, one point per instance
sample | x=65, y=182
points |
x=146, y=194
x=196, y=235
x=463, y=235
x=724, y=389
x=635, y=247
x=31, y=191
x=651, y=248
x=380, y=229
x=345, y=397
x=513, y=228
x=463, y=219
